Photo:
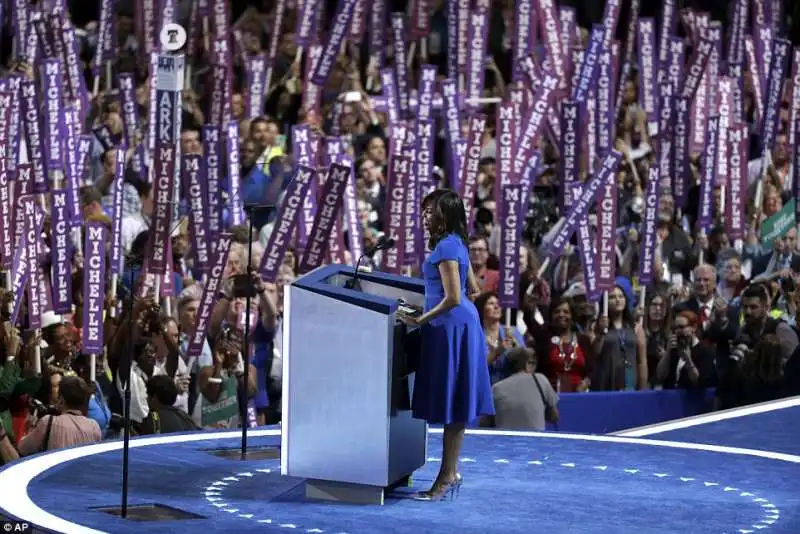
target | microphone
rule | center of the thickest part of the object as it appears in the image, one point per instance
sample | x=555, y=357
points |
x=383, y=243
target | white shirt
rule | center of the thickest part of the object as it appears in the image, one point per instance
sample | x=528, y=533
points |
x=133, y=224
x=160, y=368
x=140, y=409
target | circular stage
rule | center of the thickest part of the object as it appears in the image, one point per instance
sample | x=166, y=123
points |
x=513, y=482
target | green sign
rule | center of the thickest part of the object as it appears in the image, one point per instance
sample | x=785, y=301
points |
x=778, y=225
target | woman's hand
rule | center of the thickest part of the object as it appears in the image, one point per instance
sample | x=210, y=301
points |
x=601, y=327
x=408, y=320
x=509, y=342
x=673, y=343
x=584, y=385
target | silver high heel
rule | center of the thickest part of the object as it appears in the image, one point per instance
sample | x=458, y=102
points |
x=447, y=491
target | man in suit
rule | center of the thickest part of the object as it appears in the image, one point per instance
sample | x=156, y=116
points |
x=702, y=300
x=782, y=257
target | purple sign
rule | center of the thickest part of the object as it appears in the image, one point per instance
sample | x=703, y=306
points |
x=54, y=117
x=210, y=296
x=116, y=256
x=94, y=273
x=211, y=142
x=61, y=270
x=235, y=200
x=735, y=214
x=705, y=209
x=649, y=238
x=469, y=171
x=167, y=139
x=394, y=216
x=285, y=222
x=33, y=136
x=580, y=208
x=32, y=237
x=341, y=24
x=196, y=190
x=510, y=229
x=330, y=202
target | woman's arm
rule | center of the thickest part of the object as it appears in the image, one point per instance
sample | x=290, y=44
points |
x=472, y=283
x=207, y=382
x=451, y=281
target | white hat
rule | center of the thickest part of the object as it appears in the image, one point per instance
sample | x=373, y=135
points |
x=50, y=318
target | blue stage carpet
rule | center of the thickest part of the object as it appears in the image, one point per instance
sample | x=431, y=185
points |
x=776, y=431
x=512, y=484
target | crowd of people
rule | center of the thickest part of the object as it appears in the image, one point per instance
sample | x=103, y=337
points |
x=721, y=314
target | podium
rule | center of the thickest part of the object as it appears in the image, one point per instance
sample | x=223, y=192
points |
x=348, y=367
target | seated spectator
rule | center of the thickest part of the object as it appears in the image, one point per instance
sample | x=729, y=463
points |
x=522, y=400
x=69, y=426
x=164, y=417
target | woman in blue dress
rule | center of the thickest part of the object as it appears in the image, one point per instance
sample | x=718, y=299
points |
x=452, y=386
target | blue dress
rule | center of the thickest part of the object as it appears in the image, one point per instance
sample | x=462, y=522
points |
x=452, y=381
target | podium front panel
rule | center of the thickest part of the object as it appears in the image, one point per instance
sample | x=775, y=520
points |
x=336, y=389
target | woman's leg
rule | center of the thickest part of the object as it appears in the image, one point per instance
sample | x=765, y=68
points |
x=452, y=439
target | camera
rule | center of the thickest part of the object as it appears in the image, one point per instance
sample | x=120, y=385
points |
x=740, y=348
x=40, y=410
x=788, y=285
x=152, y=320
x=683, y=342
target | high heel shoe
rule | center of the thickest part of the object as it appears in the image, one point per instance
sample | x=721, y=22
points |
x=449, y=490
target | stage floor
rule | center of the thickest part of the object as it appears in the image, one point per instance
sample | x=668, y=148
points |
x=513, y=482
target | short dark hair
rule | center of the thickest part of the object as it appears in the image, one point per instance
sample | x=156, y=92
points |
x=448, y=215
x=517, y=359
x=162, y=388
x=756, y=291
x=75, y=392
x=89, y=194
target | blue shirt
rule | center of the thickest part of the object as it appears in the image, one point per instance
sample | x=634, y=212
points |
x=98, y=410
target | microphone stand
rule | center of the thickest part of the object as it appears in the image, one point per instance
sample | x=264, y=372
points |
x=126, y=408
x=249, y=209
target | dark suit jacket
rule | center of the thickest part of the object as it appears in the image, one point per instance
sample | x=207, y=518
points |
x=761, y=263
x=703, y=358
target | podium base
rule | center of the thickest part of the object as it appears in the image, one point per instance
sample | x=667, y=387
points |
x=350, y=493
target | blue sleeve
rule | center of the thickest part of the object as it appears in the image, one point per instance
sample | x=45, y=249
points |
x=448, y=249
x=177, y=282
x=518, y=337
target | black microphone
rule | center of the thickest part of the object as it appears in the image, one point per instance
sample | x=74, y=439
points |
x=382, y=244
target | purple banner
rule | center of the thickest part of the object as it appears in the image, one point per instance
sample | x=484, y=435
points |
x=735, y=213
x=210, y=296
x=570, y=150
x=697, y=67
x=604, y=95
x=256, y=89
x=330, y=203
x=705, y=209
x=778, y=70
x=211, y=148
x=116, y=257
x=452, y=129
x=649, y=238
x=61, y=269
x=303, y=155
x=674, y=67
x=235, y=200
x=6, y=237
x=378, y=18
x=755, y=69
x=505, y=130
x=54, y=118
x=606, y=256
x=400, y=60
x=462, y=44
x=306, y=22
x=195, y=185
x=510, y=232
x=285, y=222
x=469, y=171
x=72, y=175
x=452, y=38
x=588, y=67
x=354, y=234
x=523, y=35
x=532, y=126
x=21, y=265
x=411, y=215
x=726, y=118
x=167, y=139
x=648, y=89
x=32, y=238
x=580, y=209
x=16, y=125
x=550, y=26
x=476, y=55
x=388, y=80
x=33, y=136
x=341, y=25
x=762, y=39
x=394, y=216
x=665, y=152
